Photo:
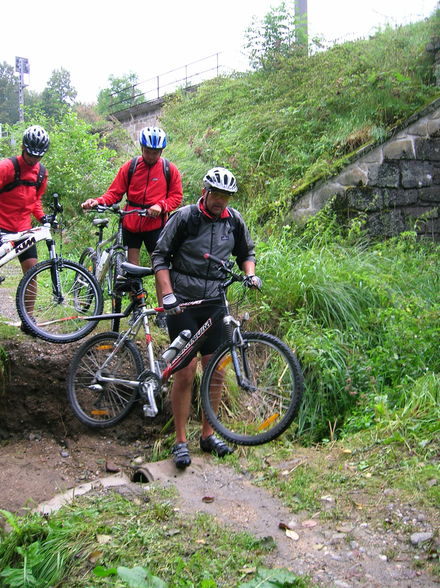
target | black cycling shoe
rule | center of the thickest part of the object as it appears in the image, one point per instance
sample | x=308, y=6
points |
x=181, y=456
x=216, y=446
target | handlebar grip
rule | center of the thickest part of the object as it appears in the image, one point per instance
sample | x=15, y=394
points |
x=214, y=258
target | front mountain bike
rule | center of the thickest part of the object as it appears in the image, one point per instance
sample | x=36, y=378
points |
x=56, y=297
x=251, y=388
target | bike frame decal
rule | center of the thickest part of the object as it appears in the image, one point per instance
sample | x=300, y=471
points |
x=23, y=245
x=181, y=356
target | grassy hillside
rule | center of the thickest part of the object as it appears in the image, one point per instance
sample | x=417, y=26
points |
x=284, y=128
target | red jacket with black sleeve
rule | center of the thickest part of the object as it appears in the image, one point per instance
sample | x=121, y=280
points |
x=17, y=205
x=148, y=186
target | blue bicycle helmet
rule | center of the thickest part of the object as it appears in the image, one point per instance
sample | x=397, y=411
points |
x=220, y=178
x=153, y=138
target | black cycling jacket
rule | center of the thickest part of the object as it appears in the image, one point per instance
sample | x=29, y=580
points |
x=193, y=277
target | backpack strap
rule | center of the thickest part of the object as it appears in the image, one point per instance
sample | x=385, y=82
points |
x=166, y=171
x=131, y=170
x=40, y=176
x=17, y=182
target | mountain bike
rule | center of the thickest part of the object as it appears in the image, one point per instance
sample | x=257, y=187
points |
x=105, y=259
x=250, y=390
x=56, y=295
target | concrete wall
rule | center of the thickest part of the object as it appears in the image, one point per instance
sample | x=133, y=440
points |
x=142, y=115
x=396, y=184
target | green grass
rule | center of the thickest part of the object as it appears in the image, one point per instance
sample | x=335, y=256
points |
x=96, y=537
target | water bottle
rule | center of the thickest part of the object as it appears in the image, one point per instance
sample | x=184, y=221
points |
x=102, y=262
x=6, y=248
x=179, y=342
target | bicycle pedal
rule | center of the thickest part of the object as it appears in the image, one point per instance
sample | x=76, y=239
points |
x=149, y=411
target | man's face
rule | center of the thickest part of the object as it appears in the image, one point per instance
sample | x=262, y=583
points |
x=30, y=159
x=151, y=156
x=216, y=201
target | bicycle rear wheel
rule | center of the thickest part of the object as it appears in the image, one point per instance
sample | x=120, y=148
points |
x=97, y=403
x=88, y=260
x=55, y=297
x=263, y=405
x=118, y=259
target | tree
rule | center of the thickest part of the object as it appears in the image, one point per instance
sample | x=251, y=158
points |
x=8, y=94
x=122, y=93
x=59, y=94
x=270, y=41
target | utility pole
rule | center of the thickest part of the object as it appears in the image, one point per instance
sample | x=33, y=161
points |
x=22, y=67
x=301, y=32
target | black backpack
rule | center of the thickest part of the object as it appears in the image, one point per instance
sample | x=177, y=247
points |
x=192, y=226
x=18, y=182
x=166, y=170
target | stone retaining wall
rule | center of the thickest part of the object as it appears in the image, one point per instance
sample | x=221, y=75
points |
x=396, y=184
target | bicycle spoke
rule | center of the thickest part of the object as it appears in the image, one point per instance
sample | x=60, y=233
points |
x=95, y=401
x=259, y=402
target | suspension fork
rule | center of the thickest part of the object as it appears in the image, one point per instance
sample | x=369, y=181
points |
x=54, y=271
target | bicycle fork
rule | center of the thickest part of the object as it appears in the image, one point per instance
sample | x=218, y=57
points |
x=239, y=349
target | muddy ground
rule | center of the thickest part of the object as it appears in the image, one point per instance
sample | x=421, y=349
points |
x=44, y=451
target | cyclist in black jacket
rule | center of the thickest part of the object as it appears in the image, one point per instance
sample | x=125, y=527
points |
x=183, y=274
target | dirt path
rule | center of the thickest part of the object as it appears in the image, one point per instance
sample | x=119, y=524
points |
x=45, y=451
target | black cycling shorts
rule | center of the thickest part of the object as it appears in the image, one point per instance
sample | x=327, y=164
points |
x=30, y=253
x=193, y=319
x=135, y=240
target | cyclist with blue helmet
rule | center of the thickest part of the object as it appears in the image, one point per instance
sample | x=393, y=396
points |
x=145, y=182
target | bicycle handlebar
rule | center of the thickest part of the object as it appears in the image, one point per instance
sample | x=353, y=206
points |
x=226, y=266
x=115, y=209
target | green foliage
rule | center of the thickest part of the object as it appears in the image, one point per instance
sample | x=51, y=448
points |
x=8, y=94
x=363, y=318
x=80, y=165
x=275, y=38
x=59, y=95
x=122, y=93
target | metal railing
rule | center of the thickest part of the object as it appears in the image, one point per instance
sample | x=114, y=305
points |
x=158, y=86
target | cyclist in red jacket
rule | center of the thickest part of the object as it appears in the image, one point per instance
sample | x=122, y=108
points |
x=148, y=189
x=22, y=184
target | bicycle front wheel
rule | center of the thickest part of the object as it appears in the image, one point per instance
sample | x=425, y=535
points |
x=97, y=402
x=251, y=392
x=55, y=297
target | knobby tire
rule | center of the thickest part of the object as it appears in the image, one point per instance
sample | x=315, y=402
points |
x=106, y=407
x=265, y=407
x=59, y=319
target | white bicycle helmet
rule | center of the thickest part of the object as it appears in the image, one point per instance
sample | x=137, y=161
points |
x=36, y=141
x=153, y=137
x=220, y=178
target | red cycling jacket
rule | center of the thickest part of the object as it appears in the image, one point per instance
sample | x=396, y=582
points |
x=148, y=186
x=17, y=205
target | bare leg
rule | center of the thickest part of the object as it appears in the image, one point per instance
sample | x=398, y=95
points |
x=181, y=398
x=133, y=255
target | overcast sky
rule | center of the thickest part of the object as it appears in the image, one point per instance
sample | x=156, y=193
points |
x=93, y=39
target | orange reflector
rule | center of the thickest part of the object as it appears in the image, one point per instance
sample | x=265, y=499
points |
x=104, y=347
x=99, y=412
x=268, y=421
x=224, y=364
